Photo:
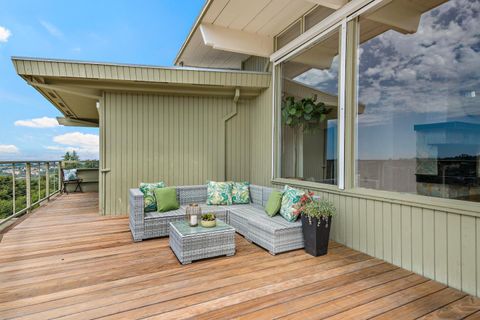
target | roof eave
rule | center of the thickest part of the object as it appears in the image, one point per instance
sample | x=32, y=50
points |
x=192, y=31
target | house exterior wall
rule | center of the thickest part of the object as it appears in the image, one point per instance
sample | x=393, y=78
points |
x=181, y=140
x=428, y=236
x=261, y=139
x=437, y=238
x=89, y=178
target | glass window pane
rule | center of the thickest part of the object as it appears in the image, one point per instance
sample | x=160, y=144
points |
x=317, y=15
x=309, y=113
x=288, y=35
x=419, y=105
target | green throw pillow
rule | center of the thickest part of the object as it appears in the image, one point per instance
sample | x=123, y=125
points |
x=291, y=197
x=241, y=192
x=219, y=193
x=148, y=190
x=274, y=203
x=166, y=199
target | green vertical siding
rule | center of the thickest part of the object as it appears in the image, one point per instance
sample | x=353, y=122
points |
x=254, y=63
x=261, y=139
x=437, y=244
x=237, y=141
x=179, y=140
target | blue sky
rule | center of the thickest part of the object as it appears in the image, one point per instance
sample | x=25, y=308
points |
x=142, y=32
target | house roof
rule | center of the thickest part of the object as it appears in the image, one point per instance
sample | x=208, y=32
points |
x=246, y=26
x=227, y=32
x=74, y=87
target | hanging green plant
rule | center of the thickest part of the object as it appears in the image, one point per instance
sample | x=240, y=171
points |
x=305, y=113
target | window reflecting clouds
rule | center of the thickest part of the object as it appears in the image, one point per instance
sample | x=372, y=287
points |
x=309, y=113
x=419, y=88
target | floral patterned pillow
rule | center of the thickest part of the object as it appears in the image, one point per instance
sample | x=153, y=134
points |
x=70, y=174
x=219, y=193
x=241, y=192
x=148, y=190
x=291, y=196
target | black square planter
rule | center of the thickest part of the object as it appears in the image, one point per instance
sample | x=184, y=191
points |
x=316, y=236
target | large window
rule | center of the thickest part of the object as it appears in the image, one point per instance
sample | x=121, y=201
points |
x=419, y=88
x=309, y=109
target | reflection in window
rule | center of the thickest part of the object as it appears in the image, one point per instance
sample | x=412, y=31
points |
x=309, y=113
x=419, y=81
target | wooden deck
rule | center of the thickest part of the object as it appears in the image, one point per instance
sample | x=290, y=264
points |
x=64, y=261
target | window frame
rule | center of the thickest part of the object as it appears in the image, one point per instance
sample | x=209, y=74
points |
x=341, y=27
x=432, y=202
x=349, y=14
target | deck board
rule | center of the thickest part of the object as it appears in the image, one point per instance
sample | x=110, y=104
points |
x=65, y=261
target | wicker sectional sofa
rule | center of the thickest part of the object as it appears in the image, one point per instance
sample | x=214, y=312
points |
x=274, y=234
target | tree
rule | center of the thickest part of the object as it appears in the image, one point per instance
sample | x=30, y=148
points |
x=75, y=156
x=67, y=156
x=71, y=156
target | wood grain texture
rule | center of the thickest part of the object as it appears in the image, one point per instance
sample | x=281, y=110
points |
x=65, y=261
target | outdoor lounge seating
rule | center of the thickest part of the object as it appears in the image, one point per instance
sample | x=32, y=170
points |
x=274, y=234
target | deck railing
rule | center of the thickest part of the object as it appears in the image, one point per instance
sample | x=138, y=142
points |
x=26, y=184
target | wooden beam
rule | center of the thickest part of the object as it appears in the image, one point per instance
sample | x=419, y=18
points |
x=401, y=16
x=317, y=57
x=66, y=89
x=238, y=41
x=70, y=122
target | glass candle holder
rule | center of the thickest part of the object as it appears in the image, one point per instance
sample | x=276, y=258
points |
x=193, y=214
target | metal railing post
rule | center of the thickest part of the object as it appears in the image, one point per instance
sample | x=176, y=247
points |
x=28, y=168
x=27, y=171
x=13, y=190
x=47, y=179
x=39, y=181
x=59, y=164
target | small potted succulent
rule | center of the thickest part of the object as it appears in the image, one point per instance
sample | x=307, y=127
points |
x=208, y=220
x=316, y=222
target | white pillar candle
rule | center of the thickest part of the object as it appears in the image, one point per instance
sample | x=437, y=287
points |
x=193, y=220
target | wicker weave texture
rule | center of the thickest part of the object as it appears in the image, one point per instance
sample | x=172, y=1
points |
x=274, y=234
x=201, y=246
x=136, y=217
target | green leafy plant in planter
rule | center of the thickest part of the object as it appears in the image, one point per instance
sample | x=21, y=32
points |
x=316, y=215
x=303, y=115
x=208, y=220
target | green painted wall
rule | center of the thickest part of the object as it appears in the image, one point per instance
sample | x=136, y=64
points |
x=90, y=180
x=261, y=139
x=254, y=63
x=439, y=244
x=177, y=139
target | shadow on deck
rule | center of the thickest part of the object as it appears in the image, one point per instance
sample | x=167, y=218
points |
x=65, y=260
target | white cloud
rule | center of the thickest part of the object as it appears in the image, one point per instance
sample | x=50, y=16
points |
x=44, y=122
x=53, y=30
x=86, y=145
x=425, y=74
x=4, y=34
x=8, y=149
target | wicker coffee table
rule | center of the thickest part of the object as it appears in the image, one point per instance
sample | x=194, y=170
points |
x=194, y=243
